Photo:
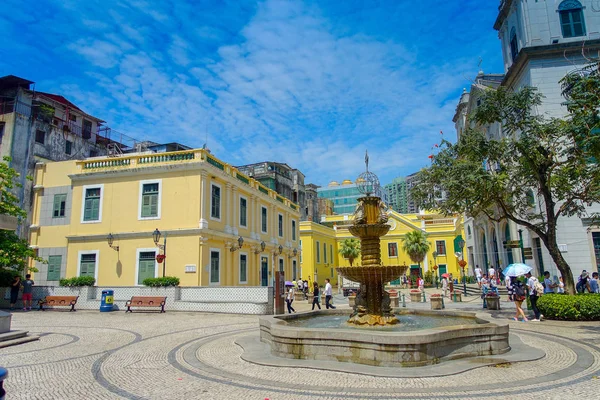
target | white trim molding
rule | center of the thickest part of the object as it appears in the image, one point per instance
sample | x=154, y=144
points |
x=140, y=195
x=84, y=189
x=216, y=250
x=137, y=263
x=240, y=281
x=82, y=252
x=210, y=203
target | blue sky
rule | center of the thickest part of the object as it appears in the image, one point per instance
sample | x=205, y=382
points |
x=311, y=83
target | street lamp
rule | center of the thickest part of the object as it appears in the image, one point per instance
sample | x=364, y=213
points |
x=239, y=246
x=280, y=249
x=262, y=248
x=435, y=267
x=294, y=253
x=156, y=236
x=110, y=240
x=461, y=244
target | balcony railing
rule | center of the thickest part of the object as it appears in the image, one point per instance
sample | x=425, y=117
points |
x=177, y=157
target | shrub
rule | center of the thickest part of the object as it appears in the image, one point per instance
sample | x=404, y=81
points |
x=579, y=307
x=77, y=281
x=161, y=282
x=7, y=276
x=428, y=278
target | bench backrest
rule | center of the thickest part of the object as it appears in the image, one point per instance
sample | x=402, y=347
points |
x=61, y=300
x=147, y=300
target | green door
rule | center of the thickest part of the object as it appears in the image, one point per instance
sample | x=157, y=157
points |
x=146, y=266
x=264, y=271
x=442, y=269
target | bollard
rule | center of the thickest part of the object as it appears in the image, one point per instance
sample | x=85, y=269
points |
x=403, y=301
x=424, y=297
x=443, y=305
x=484, y=302
x=454, y=293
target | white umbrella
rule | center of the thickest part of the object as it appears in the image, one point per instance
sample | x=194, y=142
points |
x=516, y=269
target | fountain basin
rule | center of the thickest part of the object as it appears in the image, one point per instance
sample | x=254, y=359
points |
x=384, y=347
x=379, y=274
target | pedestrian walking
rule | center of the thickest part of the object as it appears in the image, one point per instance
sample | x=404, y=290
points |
x=594, y=283
x=478, y=275
x=491, y=273
x=15, y=286
x=421, y=284
x=533, y=296
x=509, y=287
x=305, y=289
x=290, y=299
x=316, y=298
x=27, y=292
x=561, y=285
x=583, y=282
x=328, y=295
x=519, y=297
x=445, y=286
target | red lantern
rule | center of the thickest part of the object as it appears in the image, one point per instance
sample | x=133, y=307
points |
x=435, y=267
x=160, y=258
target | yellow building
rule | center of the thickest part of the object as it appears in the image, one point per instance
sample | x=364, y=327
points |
x=201, y=206
x=444, y=236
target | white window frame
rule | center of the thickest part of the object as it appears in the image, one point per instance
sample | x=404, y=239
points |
x=280, y=232
x=445, y=247
x=158, y=214
x=220, y=204
x=97, y=253
x=84, y=189
x=266, y=219
x=137, y=263
x=210, y=282
x=396, y=245
x=279, y=263
x=242, y=253
x=318, y=255
x=240, y=211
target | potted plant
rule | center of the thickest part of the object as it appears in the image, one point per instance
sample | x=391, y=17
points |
x=415, y=295
x=492, y=300
x=437, y=302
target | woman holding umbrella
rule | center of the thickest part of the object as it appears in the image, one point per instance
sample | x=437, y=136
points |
x=445, y=284
x=515, y=270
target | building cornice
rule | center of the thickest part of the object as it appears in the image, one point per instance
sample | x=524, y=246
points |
x=503, y=11
x=560, y=49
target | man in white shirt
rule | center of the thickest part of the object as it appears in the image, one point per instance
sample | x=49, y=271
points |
x=328, y=295
x=478, y=275
x=290, y=299
x=533, y=297
x=492, y=273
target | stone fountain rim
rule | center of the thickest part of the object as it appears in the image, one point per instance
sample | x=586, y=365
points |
x=279, y=325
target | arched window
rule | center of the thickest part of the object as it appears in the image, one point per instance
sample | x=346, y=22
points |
x=514, y=45
x=571, y=18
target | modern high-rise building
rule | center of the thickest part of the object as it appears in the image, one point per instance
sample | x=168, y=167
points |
x=344, y=196
x=541, y=42
x=397, y=195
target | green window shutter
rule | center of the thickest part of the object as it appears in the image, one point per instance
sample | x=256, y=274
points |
x=150, y=200
x=243, y=268
x=54, y=268
x=214, y=267
x=87, y=265
x=91, y=210
x=146, y=266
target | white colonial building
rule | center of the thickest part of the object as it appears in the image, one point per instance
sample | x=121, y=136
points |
x=542, y=41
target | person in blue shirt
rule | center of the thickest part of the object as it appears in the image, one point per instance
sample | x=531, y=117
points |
x=594, y=283
x=548, y=284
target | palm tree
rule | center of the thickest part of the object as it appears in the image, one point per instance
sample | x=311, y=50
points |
x=350, y=249
x=415, y=244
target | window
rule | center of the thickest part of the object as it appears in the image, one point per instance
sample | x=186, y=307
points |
x=325, y=253
x=243, y=268
x=87, y=264
x=280, y=225
x=243, y=212
x=572, y=23
x=68, y=146
x=73, y=118
x=392, y=249
x=596, y=242
x=54, y=268
x=60, y=202
x=1, y=130
x=215, y=202
x=331, y=253
x=514, y=45
x=300, y=251
x=281, y=265
x=146, y=265
x=293, y=230
x=318, y=252
x=86, y=131
x=214, y=267
x=263, y=219
x=93, y=153
x=294, y=270
x=40, y=137
x=440, y=247
x=149, y=203
x=92, y=204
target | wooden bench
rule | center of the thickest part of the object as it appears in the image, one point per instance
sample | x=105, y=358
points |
x=146, y=301
x=59, y=301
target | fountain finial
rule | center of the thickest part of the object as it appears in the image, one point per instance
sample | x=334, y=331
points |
x=367, y=159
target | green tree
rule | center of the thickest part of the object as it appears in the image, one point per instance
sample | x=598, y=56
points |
x=350, y=249
x=537, y=172
x=415, y=244
x=14, y=251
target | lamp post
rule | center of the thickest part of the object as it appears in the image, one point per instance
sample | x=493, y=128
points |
x=461, y=244
x=156, y=236
x=110, y=238
x=521, y=246
x=239, y=246
x=435, y=267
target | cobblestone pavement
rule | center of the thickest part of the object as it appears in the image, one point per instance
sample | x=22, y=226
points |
x=92, y=355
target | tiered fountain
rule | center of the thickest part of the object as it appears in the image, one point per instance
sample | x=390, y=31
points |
x=372, y=304
x=370, y=333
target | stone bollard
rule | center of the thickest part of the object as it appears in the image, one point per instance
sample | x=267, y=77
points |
x=310, y=298
x=424, y=297
x=394, y=301
x=457, y=296
x=493, y=302
x=403, y=300
x=415, y=296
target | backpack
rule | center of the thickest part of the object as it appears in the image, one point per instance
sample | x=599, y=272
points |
x=539, y=289
x=519, y=291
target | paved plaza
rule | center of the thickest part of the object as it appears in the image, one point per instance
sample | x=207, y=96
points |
x=183, y=355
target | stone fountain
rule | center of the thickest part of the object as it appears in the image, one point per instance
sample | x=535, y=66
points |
x=372, y=304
